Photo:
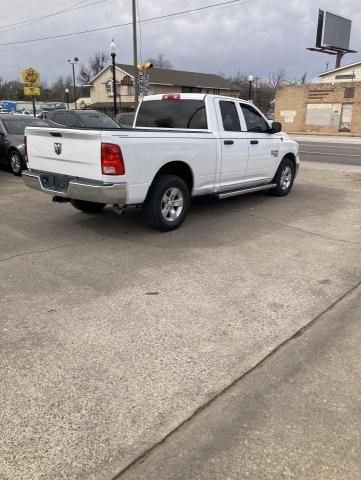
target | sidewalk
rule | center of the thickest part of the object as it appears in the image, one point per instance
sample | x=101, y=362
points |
x=295, y=416
x=325, y=139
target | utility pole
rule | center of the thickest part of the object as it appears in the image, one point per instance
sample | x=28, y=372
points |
x=135, y=55
x=73, y=63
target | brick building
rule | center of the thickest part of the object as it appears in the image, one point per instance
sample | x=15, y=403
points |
x=328, y=108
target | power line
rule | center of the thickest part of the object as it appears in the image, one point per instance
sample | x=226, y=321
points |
x=31, y=21
x=145, y=20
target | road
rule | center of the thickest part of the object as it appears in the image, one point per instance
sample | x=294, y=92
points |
x=339, y=153
x=113, y=335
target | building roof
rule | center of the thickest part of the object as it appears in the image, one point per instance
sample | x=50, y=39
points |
x=182, y=78
x=339, y=69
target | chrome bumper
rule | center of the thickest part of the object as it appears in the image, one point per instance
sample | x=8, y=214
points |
x=81, y=189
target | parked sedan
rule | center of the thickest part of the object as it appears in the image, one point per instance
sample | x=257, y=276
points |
x=12, y=129
x=125, y=119
x=80, y=119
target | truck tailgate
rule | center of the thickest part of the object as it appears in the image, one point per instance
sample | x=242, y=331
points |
x=69, y=152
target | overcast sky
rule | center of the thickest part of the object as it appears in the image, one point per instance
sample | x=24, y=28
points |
x=258, y=37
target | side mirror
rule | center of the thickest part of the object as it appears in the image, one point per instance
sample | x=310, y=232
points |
x=276, y=127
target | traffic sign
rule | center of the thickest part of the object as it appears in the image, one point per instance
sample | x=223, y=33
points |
x=30, y=76
x=31, y=91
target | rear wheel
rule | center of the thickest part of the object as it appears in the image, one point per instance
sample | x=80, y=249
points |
x=87, y=207
x=284, y=178
x=167, y=203
x=16, y=163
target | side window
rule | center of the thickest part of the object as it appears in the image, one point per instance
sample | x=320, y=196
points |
x=254, y=120
x=230, y=116
x=71, y=120
x=58, y=118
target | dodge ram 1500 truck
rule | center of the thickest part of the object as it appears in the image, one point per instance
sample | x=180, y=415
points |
x=180, y=146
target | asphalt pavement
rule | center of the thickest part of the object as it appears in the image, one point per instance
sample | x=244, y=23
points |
x=345, y=153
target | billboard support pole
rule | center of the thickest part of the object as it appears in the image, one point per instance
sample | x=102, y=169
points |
x=339, y=56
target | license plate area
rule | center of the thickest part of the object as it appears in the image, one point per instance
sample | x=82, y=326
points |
x=58, y=183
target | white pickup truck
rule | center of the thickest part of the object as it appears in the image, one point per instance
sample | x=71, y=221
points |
x=180, y=146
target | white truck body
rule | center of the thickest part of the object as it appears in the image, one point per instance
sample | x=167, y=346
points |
x=222, y=157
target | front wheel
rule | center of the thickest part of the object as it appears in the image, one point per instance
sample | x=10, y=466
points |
x=16, y=163
x=284, y=178
x=167, y=203
x=87, y=207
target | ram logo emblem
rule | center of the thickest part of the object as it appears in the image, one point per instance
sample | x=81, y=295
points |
x=57, y=148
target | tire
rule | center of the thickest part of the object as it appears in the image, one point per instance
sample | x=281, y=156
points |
x=167, y=203
x=87, y=207
x=16, y=163
x=284, y=178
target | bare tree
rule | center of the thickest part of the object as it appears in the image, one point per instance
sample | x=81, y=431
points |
x=304, y=79
x=276, y=79
x=96, y=63
x=160, y=61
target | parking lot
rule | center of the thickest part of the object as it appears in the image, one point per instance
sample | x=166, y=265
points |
x=113, y=334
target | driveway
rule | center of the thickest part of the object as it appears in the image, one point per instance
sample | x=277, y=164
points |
x=113, y=334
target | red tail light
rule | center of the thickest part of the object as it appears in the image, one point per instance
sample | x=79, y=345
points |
x=112, y=160
x=25, y=149
x=171, y=96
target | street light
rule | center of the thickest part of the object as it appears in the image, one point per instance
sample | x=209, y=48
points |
x=113, y=52
x=67, y=96
x=72, y=63
x=250, y=81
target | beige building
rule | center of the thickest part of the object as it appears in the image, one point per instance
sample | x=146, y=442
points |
x=160, y=81
x=348, y=73
x=322, y=108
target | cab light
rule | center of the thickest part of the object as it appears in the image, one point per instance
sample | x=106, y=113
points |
x=171, y=96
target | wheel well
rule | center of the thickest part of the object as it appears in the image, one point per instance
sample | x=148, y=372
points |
x=11, y=150
x=291, y=157
x=180, y=169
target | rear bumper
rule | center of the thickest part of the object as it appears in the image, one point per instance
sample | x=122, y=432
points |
x=79, y=189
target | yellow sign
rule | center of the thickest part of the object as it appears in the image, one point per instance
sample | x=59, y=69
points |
x=30, y=76
x=31, y=91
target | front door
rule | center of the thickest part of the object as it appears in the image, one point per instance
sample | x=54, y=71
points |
x=263, y=146
x=234, y=147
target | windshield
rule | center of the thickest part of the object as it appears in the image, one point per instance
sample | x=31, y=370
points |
x=16, y=126
x=172, y=114
x=97, y=120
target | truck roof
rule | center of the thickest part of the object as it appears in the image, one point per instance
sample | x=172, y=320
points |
x=187, y=96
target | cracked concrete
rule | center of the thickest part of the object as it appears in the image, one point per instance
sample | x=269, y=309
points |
x=95, y=371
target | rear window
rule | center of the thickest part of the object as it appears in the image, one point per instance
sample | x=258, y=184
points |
x=173, y=114
x=97, y=120
x=17, y=126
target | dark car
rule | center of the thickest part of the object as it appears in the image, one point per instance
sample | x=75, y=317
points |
x=80, y=119
x=12, y=129
x=125, y=119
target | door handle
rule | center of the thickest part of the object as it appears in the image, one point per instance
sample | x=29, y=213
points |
x=228, y=142
x=253, y=142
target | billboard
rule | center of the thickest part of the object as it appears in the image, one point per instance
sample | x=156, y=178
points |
x=333, y=31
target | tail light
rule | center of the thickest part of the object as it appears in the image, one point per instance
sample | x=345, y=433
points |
x=171, y=96
x=25, y=149
x=112, y=160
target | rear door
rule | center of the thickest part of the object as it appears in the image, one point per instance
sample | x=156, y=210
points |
x=65, y=151
x=234, y=146
x=263, y=146
x=3, y=146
